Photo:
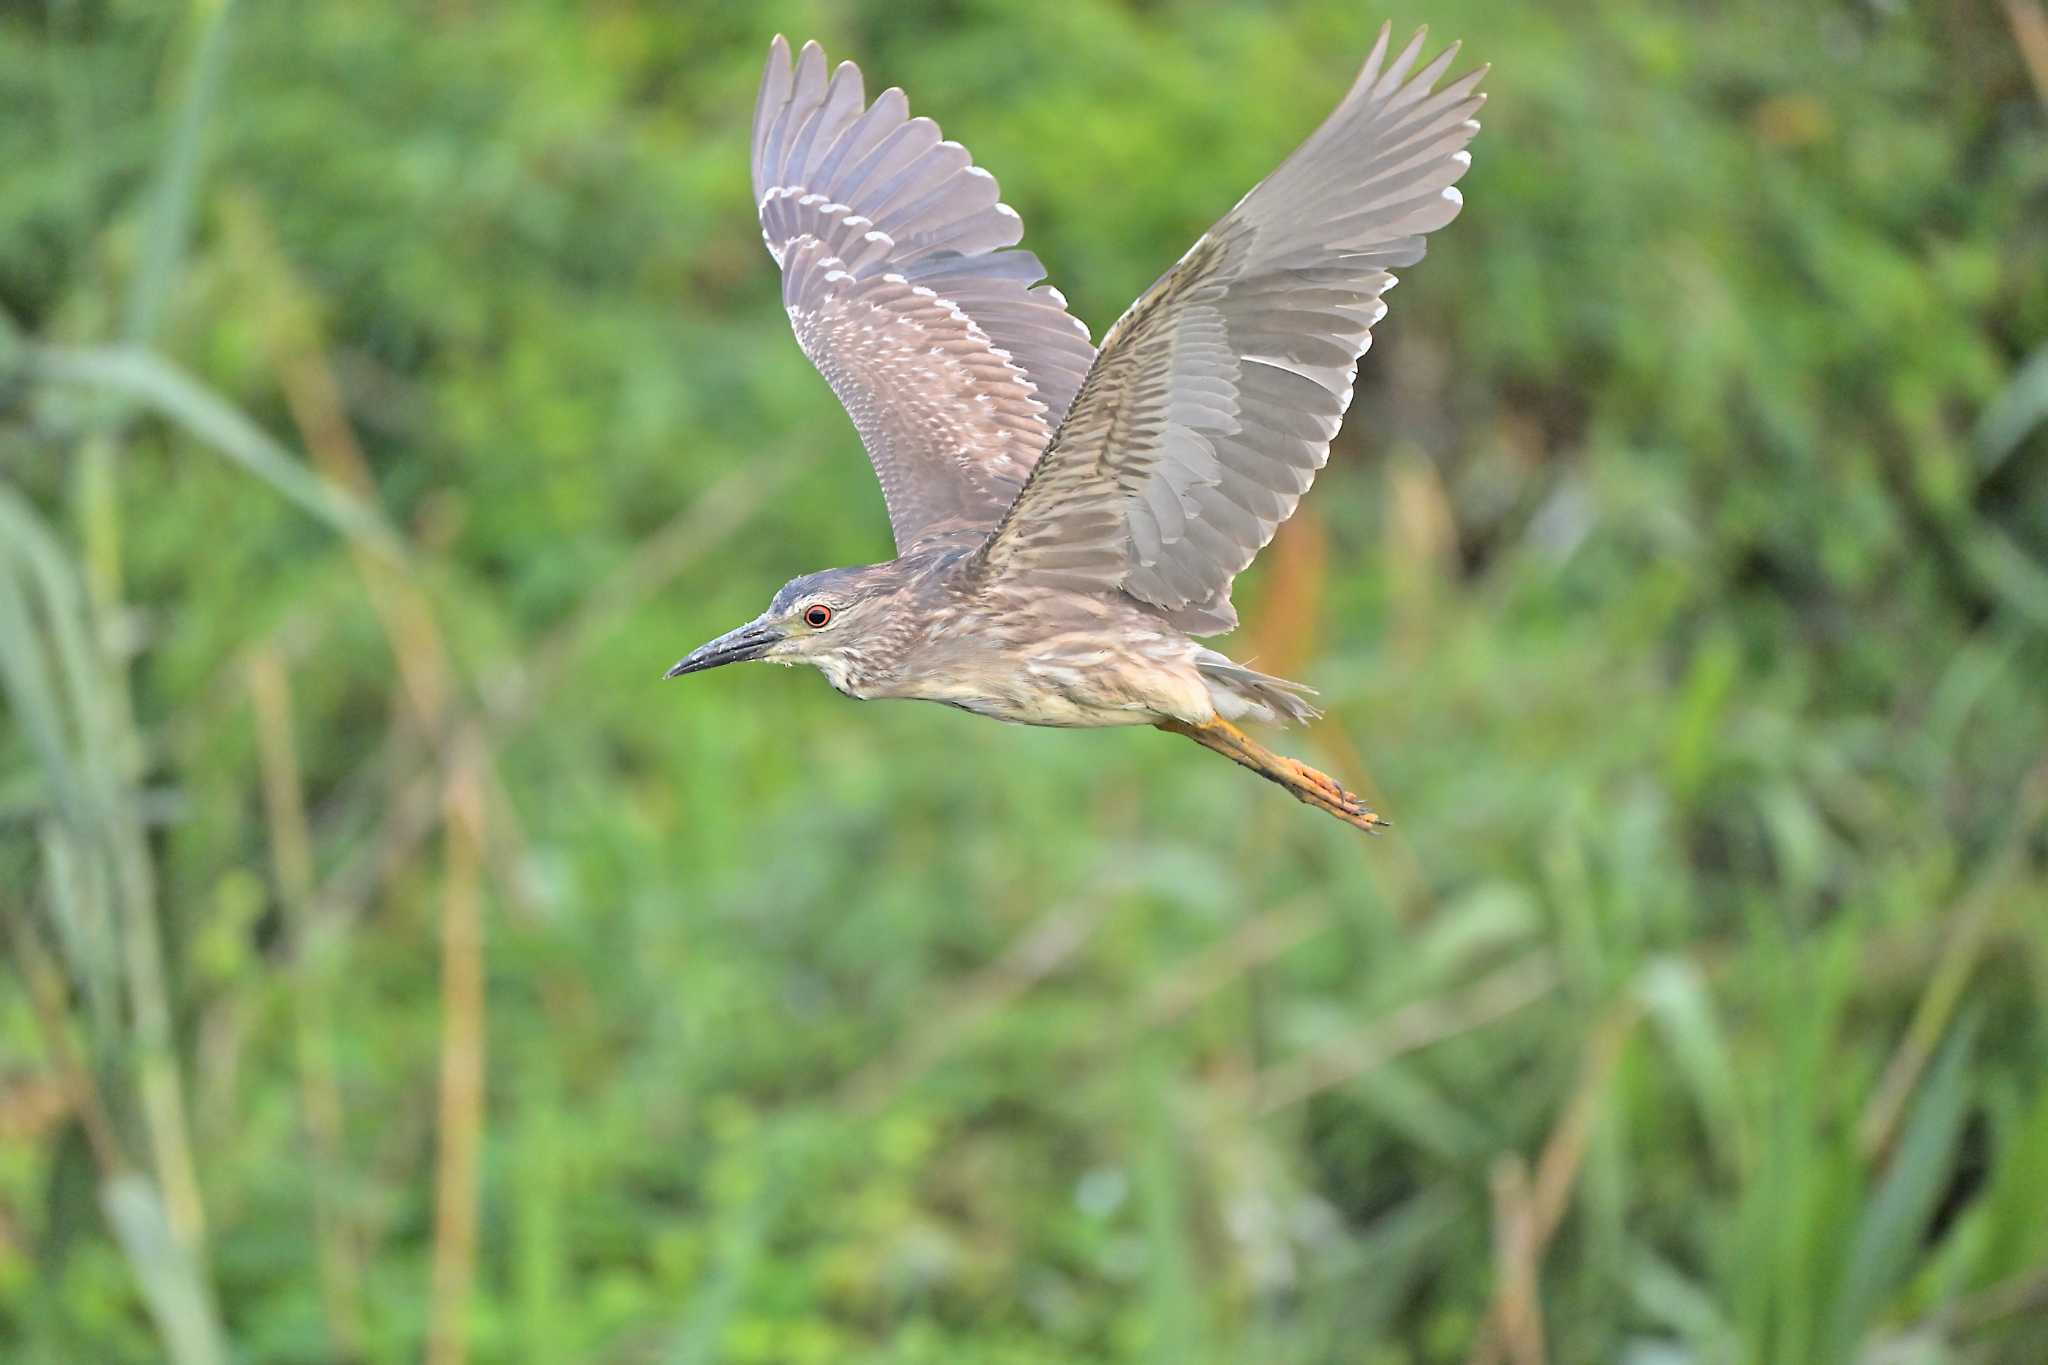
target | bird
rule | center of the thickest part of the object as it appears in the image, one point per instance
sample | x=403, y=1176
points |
x=1068, y=518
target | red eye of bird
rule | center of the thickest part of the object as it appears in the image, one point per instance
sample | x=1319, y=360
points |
x=817, y=616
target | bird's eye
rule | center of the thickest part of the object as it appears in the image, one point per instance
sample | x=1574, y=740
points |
x=817, y=616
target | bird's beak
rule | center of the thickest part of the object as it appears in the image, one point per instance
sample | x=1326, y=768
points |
x=750, y=641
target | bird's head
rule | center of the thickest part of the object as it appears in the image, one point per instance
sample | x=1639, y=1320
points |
x=836, y=620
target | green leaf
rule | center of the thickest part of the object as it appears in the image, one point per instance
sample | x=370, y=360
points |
x=1888, y=1232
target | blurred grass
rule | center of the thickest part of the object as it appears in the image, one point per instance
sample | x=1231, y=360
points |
x=385, y=399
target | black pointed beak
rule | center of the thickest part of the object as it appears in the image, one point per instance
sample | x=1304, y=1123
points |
x=750, y=641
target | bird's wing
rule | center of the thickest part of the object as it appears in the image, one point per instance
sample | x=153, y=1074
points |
x=1212, y=404
x=954, y=367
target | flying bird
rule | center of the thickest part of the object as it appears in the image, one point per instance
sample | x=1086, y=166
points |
x=1068, y=519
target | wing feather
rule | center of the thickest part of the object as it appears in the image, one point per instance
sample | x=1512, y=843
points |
x=1214, y=399
x=902, y=286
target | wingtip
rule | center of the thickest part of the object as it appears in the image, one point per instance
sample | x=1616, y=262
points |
x=1369, y=70
x=774, y=68
x=810, y=66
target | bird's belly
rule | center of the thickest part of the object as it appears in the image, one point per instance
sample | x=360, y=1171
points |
x=1062, y=692
x=1050, y=709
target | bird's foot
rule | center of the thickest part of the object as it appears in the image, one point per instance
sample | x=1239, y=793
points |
x=1311, y=786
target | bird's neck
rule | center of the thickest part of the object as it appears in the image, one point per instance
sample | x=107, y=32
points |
x=846, y=675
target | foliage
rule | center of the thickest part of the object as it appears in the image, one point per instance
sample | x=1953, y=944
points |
x=386, y=399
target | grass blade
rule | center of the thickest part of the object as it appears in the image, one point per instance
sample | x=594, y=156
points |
x=173, y=1284
x=176, y=188
x=2021, y=406
x=214, y=422
x=1675, y=994
x=101, y=876
x=1888, y=1232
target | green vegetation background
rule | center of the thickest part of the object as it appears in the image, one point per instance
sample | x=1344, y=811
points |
x=389, y=392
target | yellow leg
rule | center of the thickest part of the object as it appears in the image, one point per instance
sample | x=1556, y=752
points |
x=1310, y=786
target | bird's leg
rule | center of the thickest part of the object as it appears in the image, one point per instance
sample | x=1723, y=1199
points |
x=1315, y=788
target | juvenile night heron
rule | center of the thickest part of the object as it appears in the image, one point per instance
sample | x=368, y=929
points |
x=1068, y=519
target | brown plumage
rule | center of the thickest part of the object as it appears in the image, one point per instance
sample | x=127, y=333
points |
x=1067, y=520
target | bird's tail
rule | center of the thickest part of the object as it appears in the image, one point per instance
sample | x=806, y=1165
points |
x=1241, y=693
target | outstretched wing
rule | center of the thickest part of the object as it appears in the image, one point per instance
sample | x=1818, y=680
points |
x=1213, y=402
x=954, y=368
